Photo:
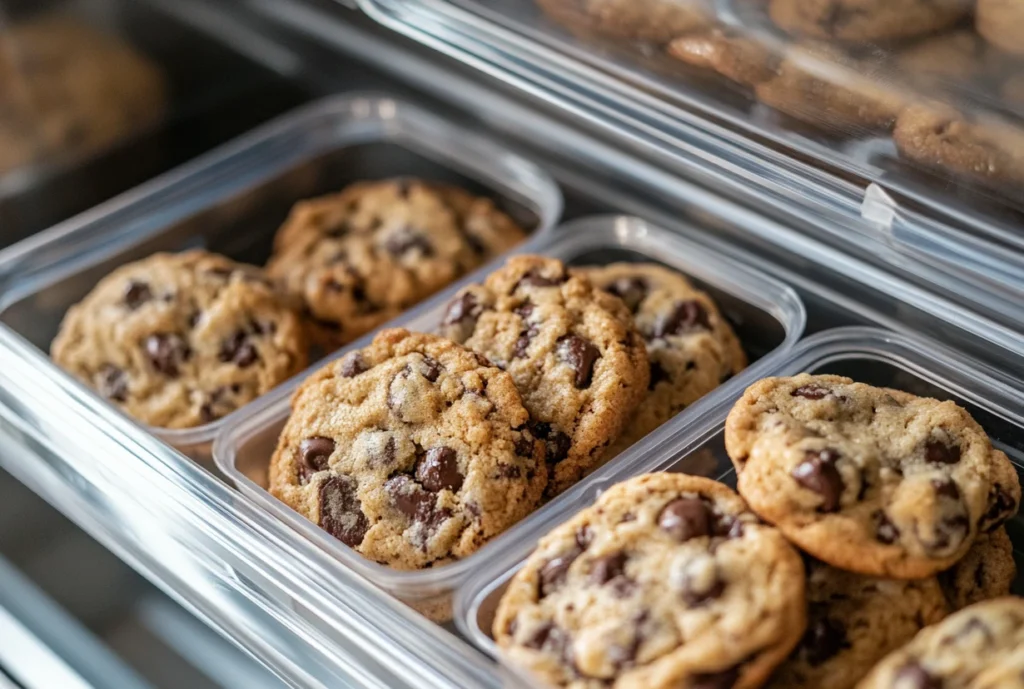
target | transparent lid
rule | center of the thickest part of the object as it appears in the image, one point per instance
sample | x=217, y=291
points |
x=902, y=115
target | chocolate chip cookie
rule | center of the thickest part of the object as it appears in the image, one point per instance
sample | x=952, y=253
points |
x=66, y=89
x=980, y=647
x=691, y=348
x=866, y=20
x=938, y=137
x=951, y=59
x=736, y=57
x=987, y=571
x=655, y=21
x=180, y=340
x=666, y=581
x=854, y=621
x=357, y=259
x=572, y=349
x=999, y=22
x=870, y=480
x=413, y=451
x=820, y=84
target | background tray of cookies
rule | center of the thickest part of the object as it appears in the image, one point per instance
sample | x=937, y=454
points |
x=232, y=201
x=100, y=95
x=902, y=119
x=768, y=318
x=867, y=355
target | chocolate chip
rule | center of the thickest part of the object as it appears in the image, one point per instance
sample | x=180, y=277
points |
x=463, y=308
x=551, y=639
x=137, y=293
x=685, y=518
x=522, y=344
x=885, y=531
x=554, y=571
x=811, y=392
x=239, y=350
x=407, y=239
x=431, y=369
x=823, y=639
x=581, y=355
x=818, y=473
x=945, y=488
x=726, y=679
x=630, y=290
x=913, y=676
x=728, y=526
x=166, y=351
x=534, y=279
x=939, y=452
x=557, y=443
x=525, y=445
x=509, y=471
x=414, y=502
x=951, y=531
x=353, y=364
x=314, y=451
x=524, y=310
x=536, y=639
x=440, y=469
x=1001, y=505
x=605, y=568
x=658, y=375
x=684, y=317
x=113, y=383
x=584, y=536
x=341, y=513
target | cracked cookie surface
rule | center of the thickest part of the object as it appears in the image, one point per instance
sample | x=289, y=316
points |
x=413, y=451
x=180, y=340
x=572, y=349
x=358, y=258
x=871, y=480
x=668, y=580
x=691, y=348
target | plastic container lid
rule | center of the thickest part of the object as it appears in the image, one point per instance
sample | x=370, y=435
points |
x=902, y=117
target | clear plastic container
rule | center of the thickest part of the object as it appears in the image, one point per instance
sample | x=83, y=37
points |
x=868, y=355
x=819, y=117
x=233, y=200
x=767, y=315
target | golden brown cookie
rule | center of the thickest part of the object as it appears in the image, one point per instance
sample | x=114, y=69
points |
x=180, y=340
x=866, y=20
x=999, y=22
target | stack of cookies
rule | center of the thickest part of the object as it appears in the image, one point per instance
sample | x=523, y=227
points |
x=181, y=340
x=419, y=448
x=864, y=516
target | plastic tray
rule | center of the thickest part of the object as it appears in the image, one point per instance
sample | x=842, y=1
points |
x=232, y=201
x=767, y=315
x=868, y=355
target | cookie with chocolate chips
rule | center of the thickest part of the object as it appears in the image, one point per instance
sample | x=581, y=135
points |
x=854, y=621
x=870, y=480
x=857, y=21
x=668, y=580
x=980, y=647
x=413, y=451
x=180, y=340
x=357, y=259
x=690, y=346
x=571, y=348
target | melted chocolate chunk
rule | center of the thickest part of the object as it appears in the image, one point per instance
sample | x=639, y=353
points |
x=581, y=355
x=658, y=375
x=811, y=392
x=607, y=567
x=1001, y=506
x=818, y=473
x=939, y=452
x=239, y=349
x=431, y=369
x=631, y=290
x=406, y=240
x=439, y=469
x=113, y=383
x=534, y=279
x=685, y=316
x=558, y=444
x=166, y=352
x=463, y=308
x=341, y=513
x=554, y=571
x=686, y=518
x=885, y=531
x=136, y=293
x=315, y=452
x=353, y=364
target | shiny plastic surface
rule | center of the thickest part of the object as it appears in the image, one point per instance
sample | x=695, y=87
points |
x=767, y=316
x=836, y=103
x=232, y=201
x=867, y=355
